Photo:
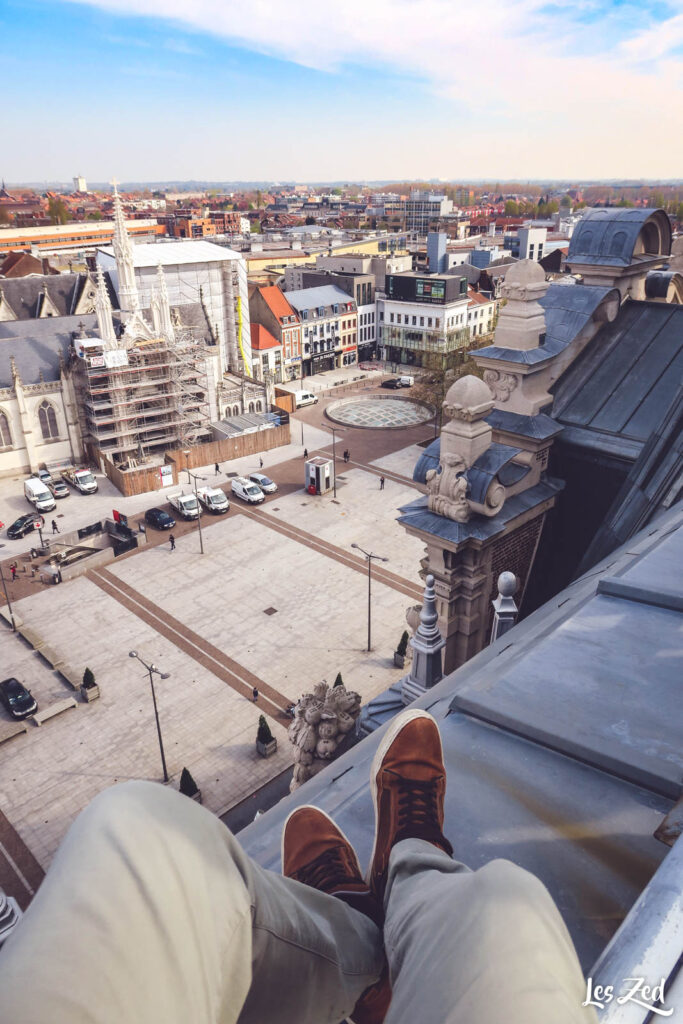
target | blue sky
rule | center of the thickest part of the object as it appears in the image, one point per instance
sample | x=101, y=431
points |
x=166, y=89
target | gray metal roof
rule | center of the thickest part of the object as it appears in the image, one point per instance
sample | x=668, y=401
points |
x=617, y=391
x=313, y=298
x=37, y=345
x=540, y=427
x=561, y=743
x=23, y=294
x=418, y=516
x=568, y=308
x=608, y=236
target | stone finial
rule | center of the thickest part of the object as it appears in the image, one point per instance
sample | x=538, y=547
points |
x=521, y=323
x=504, y=607
x=16, y=376
x=427, y=667
x=464, y=439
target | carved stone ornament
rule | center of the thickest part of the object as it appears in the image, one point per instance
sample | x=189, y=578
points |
x=322, y=719
x=448, y=489
x=501, y=384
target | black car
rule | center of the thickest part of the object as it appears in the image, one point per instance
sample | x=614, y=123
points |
x=25, y=524
x=159, y=519
x=16, y=698
x=391, y=383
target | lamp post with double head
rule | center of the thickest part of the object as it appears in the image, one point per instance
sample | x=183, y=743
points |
x=369, y=557
x=153, y=670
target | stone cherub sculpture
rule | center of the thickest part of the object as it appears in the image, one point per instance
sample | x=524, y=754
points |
x=321, y=721
x=447, y=487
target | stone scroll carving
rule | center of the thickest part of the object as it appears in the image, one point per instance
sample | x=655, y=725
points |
x=501, y=384
x=447, y=487
x=322, y=720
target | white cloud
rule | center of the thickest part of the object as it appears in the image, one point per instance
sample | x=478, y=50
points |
x=585, y=74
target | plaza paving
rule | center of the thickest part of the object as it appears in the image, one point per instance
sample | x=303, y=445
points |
x=208, y=620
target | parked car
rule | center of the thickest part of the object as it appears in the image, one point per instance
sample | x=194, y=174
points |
x=17, y=699
x=45, y=475
x=25, y=524
x=159, y=519
x=406, y=382
x=393, y=382
x=58, y=489
x=247, y=491
x=267, y=485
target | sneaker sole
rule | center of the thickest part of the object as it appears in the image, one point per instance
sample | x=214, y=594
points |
x=333, y=823
x=398, y=724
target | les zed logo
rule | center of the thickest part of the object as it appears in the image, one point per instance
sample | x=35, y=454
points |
x=640, y=993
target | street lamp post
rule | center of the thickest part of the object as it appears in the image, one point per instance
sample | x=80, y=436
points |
x=335, y=431
x=369, y=556
x=194, y=477
x=9, y=603
x=153, y=670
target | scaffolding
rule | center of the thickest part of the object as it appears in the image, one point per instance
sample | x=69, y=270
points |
x=139, y=402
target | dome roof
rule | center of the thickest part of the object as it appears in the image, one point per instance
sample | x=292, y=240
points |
x=611, y=236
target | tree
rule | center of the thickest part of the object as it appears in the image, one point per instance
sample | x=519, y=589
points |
x=433, y=387
x=310, y=220
x=338, y=681
x=95, y=215
x=88, y=678
x=403, y=644
x=57, y=211
x=511, y=208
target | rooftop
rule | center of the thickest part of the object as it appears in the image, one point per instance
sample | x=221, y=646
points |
x=323, y=295
x=172, y=253
x=560, y=740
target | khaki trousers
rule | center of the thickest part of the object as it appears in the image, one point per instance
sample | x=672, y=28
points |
x=151, y=913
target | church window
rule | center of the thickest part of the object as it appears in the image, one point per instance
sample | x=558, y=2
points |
x=48, y=421
x=251, y=407
x=258, y=407
x=5, y=433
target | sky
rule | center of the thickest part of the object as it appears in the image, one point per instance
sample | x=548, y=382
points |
x=362, y=90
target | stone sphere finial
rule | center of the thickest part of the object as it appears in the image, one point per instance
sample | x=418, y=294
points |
x=429, y=580
x=469, y=398
x=507, y=584
x=525, y=272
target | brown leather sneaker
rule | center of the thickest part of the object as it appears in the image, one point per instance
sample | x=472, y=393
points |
x=408, y=783
x=317, y=853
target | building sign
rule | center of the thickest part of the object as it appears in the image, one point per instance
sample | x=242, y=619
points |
x=166, y=474
x=119, y=357
x=430, y=289
x=97, y=360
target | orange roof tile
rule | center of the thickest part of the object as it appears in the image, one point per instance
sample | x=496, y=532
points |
x=261, y=339
x=276, y=301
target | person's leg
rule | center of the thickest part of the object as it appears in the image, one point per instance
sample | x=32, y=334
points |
x=151, y=912
x=478, y=946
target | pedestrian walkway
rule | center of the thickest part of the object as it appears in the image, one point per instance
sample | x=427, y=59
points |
x=207, y=654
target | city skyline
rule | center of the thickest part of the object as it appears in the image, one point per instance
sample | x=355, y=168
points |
x=399, y=91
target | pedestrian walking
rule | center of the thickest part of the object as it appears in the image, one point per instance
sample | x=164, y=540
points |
x=254, y=695
x=55, y=528
x=260, y=462
x=305, y=453
x=381, y=483
x=13, y=571
x=172, y=540
x=217, y=469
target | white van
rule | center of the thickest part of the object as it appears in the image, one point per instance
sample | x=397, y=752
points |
x=247, y=491
x=36, y=493
x=302, y=398
x=405, y=382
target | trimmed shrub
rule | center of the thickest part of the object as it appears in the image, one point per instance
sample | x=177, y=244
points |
x=188, y=787
x=339, y=681
x=264, y=735
x=88, y=678
x=403, y=644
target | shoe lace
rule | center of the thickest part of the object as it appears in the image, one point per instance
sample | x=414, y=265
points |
x=418, y=810
x=331, y=868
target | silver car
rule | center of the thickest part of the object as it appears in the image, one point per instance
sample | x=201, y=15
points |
x=267, y=485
